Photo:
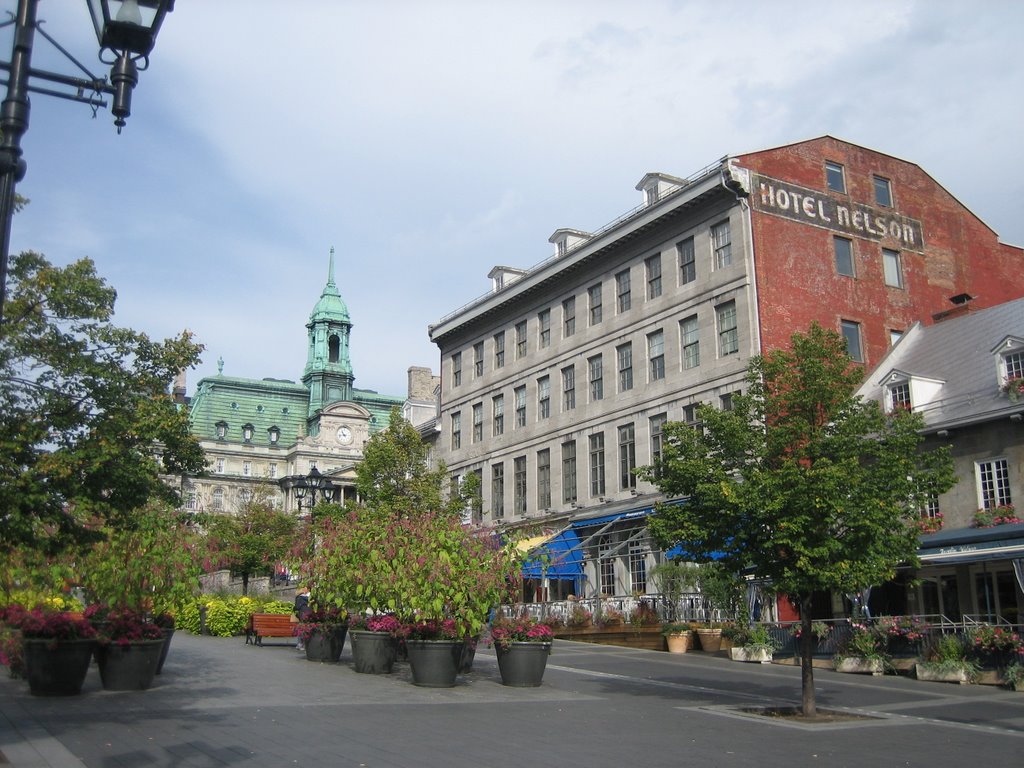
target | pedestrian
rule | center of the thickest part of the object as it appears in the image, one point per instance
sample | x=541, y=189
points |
x=301, y=612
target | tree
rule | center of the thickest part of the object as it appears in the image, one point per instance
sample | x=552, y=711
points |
x=254, y=540
x=396, y=475
x=87, y=423
x=801, y=482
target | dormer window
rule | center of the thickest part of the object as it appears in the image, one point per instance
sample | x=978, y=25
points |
x=222, y=430
x=1010, y=362
x=897, y=396
x=274, y=434
x=247, y=431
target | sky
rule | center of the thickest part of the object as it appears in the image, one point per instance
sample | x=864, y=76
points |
x=427, y=141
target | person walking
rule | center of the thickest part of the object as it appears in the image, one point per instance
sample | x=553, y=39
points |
x=301, y=611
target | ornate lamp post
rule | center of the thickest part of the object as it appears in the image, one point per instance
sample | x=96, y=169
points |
x=306, y=488
x=126, y=31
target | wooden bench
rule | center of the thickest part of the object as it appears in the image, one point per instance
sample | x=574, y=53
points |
x=268, y=625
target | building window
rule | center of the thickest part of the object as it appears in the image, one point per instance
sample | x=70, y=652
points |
x=843, y=249
x=657, y=425
x=217, y=502
x=544, y=321
x=624, y=354
x=569, y=317
x=691, y=415
x=544, y=479
x=498, y=415
x=891, y=268
x=1013, y=367
x=247, y=469
x=851, y=332
x=623, y=294
x=222, y=430
x=569, y=472
x=656, y=355
x=498, y=491
x=597, y=465
x=520, y=395
x=543, y=397
x=478, y=359
x=456, y=431
x=689, y=334
x=834, y=177
x=247, y=432
x=596, y=378
x=456, y=369
x=898, y=396
x=478, y=422
x=637, y=569
x=569, y=388
x=607, y=566
x=219, y=467
x=594, y=296
x=653, y=266
x=721, y=242
x=627, y=457
x=520, y=339
x=499, y=350
x=883, y=192
x=272, y=470
x=728, y=333
x=687, y=261
x=725, y=401
x=519, y=486
x=190, y=501
x=993, y=484
x=274, y=435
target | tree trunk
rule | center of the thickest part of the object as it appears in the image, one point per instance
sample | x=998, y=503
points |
x=810, y=707
x=245, y=583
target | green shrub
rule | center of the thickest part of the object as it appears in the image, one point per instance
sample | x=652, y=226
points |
x=226, y=615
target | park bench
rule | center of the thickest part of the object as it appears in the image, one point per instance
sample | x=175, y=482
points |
x=268, y=625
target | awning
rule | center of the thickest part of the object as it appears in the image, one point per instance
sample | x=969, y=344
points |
x=561, y=557
x=680, y=551
x=632, y=514
x=972, y=545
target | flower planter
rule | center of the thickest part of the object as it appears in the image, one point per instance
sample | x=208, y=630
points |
x=710, y=639
x=373, y=653
x=751, y=655
x=856, y=665
x=56, y=668
x=168, y=634
x=522, y=664
x=130, y=667
x=678, y=642
x=326, y=643
x=434, y=663
x=922, y=672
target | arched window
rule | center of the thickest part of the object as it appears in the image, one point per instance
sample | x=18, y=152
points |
x=217, y=501
x=222, y=430
x=333, y=349
x=274, y=434
x=247, y=431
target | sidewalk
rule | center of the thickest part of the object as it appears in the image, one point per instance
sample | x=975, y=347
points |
x=222, y=703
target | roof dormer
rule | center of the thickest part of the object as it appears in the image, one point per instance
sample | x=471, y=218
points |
x=904, y=390
x=656, y=185
x=503, y=276
x=1009, y=358
x=565, y=240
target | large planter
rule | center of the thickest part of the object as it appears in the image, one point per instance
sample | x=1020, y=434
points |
x=856, y=665
x=434, y=663
x=923, y=672
x=326, y=643
x=56, y=668
x=168, y=634
x=522, y=664
x=710, y=639
x=752, y=655
x=678, y=642
x=130, y=667
x=373, y=653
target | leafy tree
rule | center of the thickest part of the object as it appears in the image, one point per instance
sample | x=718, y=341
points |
x=254, y=540
x=802, y=482
x=84, y=406
x=395, y=474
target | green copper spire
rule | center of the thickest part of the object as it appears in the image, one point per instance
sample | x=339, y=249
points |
x=328, y=372
x=330, y=306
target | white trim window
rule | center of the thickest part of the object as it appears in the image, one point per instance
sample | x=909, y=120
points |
x=993, y=479
x=897, y=395
x=721, y=243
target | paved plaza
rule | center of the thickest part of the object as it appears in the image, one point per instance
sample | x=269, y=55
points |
x=222, y=703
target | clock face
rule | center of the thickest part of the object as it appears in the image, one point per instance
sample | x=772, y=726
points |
x=344, y=435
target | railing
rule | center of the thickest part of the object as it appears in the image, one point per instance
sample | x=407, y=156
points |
x=690, y=608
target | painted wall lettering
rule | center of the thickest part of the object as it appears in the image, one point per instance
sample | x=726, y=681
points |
x=821, y=210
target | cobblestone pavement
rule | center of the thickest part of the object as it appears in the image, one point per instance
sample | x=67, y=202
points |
x=222, y=703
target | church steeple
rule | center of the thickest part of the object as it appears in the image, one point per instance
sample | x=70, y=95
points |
x=328, y=372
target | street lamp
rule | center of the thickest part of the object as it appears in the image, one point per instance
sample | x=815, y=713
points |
x=310, y=485
x=126, y=31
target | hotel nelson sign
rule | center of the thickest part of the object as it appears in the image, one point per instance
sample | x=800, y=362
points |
x=818, y=209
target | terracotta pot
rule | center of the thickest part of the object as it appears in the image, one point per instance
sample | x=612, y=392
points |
x=678, y=642
x=710, y=639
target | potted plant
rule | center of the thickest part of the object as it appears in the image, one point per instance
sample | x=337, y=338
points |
x=435, y=651
x=677, y=637
x=1014, y=675
x=522, y=646
x=903, y=634
x=643, y=615
x=580, y=617
x=128, y=651
x=947, y=662
x=374, y=642
x=322, y=633
x=755, y=644
x=993, y=647
x=1013, y=387
x=820, y=632
x=610, y=617
x=56, y=650
x=864, y=652
x=673, y=579
x=1004, y=514
x=710, y=636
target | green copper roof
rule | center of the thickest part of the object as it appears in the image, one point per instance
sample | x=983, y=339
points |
x=330, y=306
x=263, y=404
x=378, y=405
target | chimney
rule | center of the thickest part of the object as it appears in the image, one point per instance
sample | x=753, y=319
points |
x=178, y=391
x=961, y=306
